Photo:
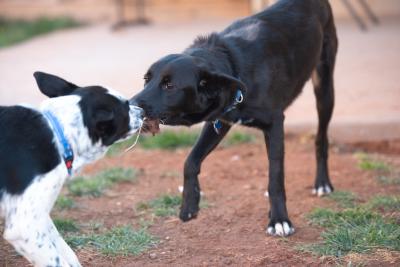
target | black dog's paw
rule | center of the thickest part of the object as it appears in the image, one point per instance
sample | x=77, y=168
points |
x=187, y=214
x=280, y=228
x=323, y=189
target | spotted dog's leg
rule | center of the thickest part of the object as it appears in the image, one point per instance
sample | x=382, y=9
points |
x=34, y=239
x=63, y=247
x=28, y=226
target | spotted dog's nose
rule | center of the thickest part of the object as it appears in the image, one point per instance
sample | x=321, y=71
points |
x=135, y=118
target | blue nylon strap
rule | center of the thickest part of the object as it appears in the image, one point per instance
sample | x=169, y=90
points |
x=68, y=154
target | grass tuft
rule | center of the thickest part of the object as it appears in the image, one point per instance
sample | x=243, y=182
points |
x=388, y=180
x=65, y=225
x=385, y=203
x=14, y=31
x=64, y=203
x=166, y=205
x=122, y=240
x=169, y=139
x=97, y=184
x=355, y=230
x=344, y=199
x=237, y=138
x=366, y=163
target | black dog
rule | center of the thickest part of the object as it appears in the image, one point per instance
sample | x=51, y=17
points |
x=249, y=74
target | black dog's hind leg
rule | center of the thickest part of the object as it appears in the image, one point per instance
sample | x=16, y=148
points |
x=206, y=143
x=324, y=92
x=279, y=223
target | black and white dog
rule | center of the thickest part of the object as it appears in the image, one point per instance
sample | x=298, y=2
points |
x=40, y=148
x=249, y=73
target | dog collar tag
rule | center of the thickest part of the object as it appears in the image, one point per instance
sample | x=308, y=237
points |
x=239, y=96
x=217, y=126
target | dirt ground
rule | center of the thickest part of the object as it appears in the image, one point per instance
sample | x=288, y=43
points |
x=231, y=230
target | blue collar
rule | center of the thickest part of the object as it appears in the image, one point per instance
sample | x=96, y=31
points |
x=238, y=99
x=68, y=154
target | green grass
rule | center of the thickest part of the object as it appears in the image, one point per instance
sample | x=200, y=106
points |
x=388, y=180
x=166, y=205
x=14, y=31
x=122, y=240
x=65, y=225
x=237, y=138
x=173, y=139
x=344, y=199
x=366, y=163
x=169, y=139
x=353, y=230
x=64, y=203
x=97, y=184
x=385, y=203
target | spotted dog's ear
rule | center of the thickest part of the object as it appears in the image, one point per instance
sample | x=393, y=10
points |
x=104, y=126
x=53, y=86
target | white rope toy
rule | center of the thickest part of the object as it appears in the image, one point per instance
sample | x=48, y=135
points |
x=137, y=137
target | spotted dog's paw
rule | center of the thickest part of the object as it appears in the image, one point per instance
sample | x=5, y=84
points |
x=280, y=229
x=322, y=190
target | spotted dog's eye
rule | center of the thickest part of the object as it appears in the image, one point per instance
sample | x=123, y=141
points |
x=202, y=83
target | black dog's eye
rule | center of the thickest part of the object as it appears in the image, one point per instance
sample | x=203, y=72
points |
x=202, y=83
x=147, y=78
x=168, y=85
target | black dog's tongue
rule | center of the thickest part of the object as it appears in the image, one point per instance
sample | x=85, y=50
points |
x=151, y=126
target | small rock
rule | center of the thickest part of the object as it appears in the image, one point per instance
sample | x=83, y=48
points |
x=167, y=238
x=227, y=261
x=152, y=256
x=235, y=158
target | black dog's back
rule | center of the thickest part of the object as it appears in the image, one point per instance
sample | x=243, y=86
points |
x=286, y=38
x=26, y=148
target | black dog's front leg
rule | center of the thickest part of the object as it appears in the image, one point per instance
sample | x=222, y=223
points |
x=279, y=223
x=207, y=141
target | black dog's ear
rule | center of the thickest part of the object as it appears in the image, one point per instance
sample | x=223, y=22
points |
x=104, y=126
x=221, y=89
x=53, y=86
x=213, y=83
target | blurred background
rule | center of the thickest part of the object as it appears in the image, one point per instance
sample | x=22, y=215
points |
x=113, y=42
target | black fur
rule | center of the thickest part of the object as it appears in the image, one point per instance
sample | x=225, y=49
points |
x=26, y=148
x=269, y=56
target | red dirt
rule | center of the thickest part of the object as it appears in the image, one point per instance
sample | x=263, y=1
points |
x=231, y=231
